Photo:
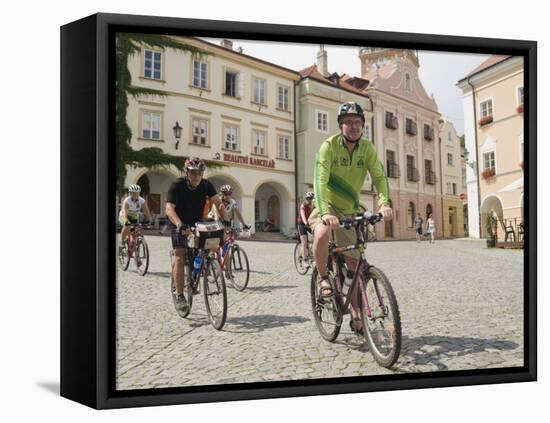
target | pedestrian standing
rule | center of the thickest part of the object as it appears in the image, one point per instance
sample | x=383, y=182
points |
x=431, y=228
x=418, y=222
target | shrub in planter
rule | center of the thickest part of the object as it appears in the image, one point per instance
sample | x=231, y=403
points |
x=488, y=173
x=485, y=120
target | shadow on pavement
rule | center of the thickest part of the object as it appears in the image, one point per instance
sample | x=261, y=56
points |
x=259, y=272
x=426, y=350
x=266, y=289
x=261, y=322
x=161, y=274
x=431, y=349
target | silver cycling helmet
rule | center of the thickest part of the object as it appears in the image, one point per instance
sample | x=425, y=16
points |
x=310, y=195
x=134, y=188
x=350, y=108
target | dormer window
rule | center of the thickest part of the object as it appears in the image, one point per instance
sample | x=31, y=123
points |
x=407, y=82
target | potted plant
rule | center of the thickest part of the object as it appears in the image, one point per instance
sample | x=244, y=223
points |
x=488, y=173
x=485, y=120
x=490, y=231
x=520, y=108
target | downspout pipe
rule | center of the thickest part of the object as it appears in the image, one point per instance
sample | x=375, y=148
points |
x=477, y=158
x=295, y=152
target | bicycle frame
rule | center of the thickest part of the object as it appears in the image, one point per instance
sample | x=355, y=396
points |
x=133, y=236
x=223, y=259
x=362, y=265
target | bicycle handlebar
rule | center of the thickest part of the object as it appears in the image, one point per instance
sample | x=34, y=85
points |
x=369, y=217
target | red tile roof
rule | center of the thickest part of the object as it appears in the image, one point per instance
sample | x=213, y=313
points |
x=356, y=85
x=493, y=60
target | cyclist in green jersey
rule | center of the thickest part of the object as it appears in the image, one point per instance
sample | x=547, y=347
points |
x=341, y=166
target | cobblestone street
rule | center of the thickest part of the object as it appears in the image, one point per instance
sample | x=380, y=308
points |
x=461, y=308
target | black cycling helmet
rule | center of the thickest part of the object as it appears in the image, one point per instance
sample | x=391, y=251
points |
x=350, y=108
x=310, y=195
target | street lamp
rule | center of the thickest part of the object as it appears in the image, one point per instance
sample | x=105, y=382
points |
x=177, y=133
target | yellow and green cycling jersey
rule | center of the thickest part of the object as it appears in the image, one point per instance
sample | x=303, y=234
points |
x=339, y=175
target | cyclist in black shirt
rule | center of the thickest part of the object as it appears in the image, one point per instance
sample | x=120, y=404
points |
x=187, y=199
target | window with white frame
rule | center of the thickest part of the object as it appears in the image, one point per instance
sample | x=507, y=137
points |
x=449, y=137
x=520, y=95
x=450, y=159
x=259, y=139
x=231, y=83
x=200, y=74
x=284, y=147
x=200, y=131
x=322, y=121
x=451, y=188
x=150, y=125
x=489, y=160
x=283, y=98
x=486, y=108
x=230, y=137
x=259, y=90
x=464, y=176
x=152, y=64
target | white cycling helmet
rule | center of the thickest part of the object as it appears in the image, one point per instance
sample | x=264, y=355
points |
x=226, y=189
x=134, y=188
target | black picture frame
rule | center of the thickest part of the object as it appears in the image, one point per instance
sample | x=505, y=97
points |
x=88, y=255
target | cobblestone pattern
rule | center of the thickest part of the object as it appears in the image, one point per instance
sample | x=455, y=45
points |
x=461, y=308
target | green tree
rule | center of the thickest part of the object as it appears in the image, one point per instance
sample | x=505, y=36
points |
x=129, y=44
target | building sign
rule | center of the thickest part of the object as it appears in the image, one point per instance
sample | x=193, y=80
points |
x=234, y=158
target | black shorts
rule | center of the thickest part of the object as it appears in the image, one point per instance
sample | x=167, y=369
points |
x=178, y=240
x=303, y=229
x=419, y=231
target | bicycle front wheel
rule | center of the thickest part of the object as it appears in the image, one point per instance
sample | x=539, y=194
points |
x=327, y=312
x=142, y=257
x=380, y=316
x=299, y=262
x=124, y=256
x=215, y=293
x=239, y=272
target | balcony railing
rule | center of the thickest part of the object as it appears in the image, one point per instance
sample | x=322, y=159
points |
x=430, y=177
x=393, y=170
x=428, y=133
x=391, y=122
x=412, y=174
x=411, y=127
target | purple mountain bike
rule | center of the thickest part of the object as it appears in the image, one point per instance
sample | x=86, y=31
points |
x=379, y=310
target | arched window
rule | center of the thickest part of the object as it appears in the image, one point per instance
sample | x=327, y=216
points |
x=429, y=210
x=410, y=215
x=407, y=82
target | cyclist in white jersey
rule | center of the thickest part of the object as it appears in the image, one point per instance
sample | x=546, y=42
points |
x=231, y=208
x=132, y=206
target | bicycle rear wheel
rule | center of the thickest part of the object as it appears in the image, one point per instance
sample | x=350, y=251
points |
x=380, y=316
x=215, y=293
x=299, y=262
x=239, y=272
x=327, y=312
x=124, y=256
x=141, y=257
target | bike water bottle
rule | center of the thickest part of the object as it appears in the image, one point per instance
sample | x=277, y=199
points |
x=225, y=246
x=197, y=266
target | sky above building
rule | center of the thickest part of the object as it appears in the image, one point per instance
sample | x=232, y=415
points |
x=439, y=71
